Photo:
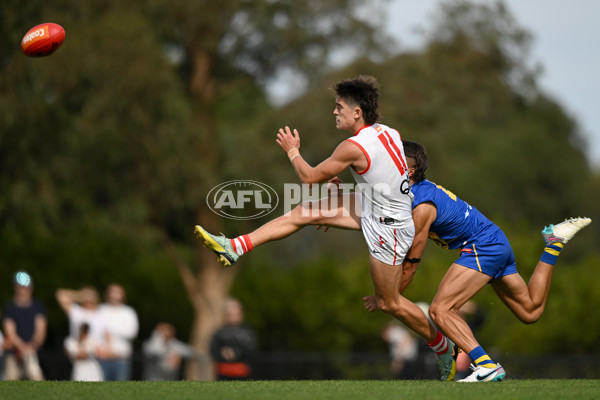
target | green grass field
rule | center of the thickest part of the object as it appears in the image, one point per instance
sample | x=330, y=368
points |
x=545, y=389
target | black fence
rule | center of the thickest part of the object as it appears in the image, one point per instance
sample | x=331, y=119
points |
x=377, y=366
x=303, y=366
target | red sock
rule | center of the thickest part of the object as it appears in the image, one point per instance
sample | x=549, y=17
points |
x=241, y=244
x=439, y=344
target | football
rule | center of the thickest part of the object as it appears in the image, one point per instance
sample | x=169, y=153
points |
x=42, y=40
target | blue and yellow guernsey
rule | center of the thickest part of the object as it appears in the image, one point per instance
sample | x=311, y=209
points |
x=457, y=223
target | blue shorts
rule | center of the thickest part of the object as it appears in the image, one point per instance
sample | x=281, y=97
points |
x=490, y=254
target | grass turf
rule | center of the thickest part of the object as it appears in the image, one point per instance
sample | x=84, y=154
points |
x=545, y=389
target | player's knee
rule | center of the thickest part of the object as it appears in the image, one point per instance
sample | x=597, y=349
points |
x=437, y=312
x=304, y=214
x=389, y=305
x=529, y=321
x=529, y=318
x=528, y=314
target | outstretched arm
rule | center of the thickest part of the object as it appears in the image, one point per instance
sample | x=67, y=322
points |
x=345, y=154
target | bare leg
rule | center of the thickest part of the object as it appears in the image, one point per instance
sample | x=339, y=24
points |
x=336, y=211
x=458, y=286
x=386, y=281
x=527, y=302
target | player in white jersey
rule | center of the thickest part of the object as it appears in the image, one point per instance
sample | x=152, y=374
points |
x=385, y=193
x=375, y=156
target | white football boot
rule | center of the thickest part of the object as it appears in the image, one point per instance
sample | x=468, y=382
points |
x=482, y=374
x=564, y=231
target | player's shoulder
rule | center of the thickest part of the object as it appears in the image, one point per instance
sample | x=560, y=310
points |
x=423, y=191
x=390, y=129
x=423, y=186
x=351, y=147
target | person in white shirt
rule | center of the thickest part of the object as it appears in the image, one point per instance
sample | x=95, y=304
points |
x=403, y=348
x=122, y=325
x=82, y=308
x=82, y=353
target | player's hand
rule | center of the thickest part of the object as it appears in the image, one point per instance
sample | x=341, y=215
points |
x=288, y=139
x=333, y=185
x=371, y=303
x=335, y=181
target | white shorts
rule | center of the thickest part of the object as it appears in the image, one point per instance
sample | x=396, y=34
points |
x=387, y=243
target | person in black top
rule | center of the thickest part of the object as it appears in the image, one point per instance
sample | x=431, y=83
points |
x=233, y=345
x=25, y=322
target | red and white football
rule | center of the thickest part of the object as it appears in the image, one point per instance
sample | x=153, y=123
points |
x=42, y=40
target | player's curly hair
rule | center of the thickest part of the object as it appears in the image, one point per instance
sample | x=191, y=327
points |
x=417, y=152
x=362, y=91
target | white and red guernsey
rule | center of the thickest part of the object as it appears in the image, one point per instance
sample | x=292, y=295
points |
x=384, y=185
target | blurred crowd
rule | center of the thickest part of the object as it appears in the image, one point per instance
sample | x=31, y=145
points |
x=101, y=336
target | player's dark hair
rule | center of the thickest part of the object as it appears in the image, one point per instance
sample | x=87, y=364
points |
x=362, y=91
x=417, y=152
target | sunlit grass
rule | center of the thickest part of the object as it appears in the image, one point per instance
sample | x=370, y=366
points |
x=303, y=390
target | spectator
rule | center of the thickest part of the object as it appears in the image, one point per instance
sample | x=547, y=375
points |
x=82, y=353
x=404, y=350
x=232, y=346
x=122, y=325
x=81, y=306
x=163, y=354
x=25, y=324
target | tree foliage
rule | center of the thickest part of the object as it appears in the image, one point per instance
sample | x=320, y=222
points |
x=117, y=138
x=108, y=148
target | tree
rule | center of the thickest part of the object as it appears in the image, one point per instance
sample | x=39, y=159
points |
x=108, y=148
x=474, y=95
x=133, y=100
x=222, y=41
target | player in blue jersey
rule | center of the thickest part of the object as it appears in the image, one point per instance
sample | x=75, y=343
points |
x=485, y=257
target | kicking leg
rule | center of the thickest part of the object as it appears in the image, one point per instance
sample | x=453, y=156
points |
x=336, y=211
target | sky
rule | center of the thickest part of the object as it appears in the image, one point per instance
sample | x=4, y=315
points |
x=565, y=44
